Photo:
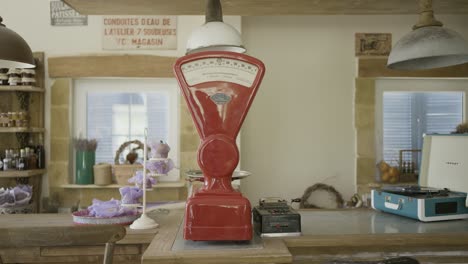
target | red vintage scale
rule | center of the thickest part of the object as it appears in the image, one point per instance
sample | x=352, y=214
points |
x=219, y=87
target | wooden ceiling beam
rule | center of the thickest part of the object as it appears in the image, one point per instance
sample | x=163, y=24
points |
x=263, y=7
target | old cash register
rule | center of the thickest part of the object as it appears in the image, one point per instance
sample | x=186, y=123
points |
x=443, y=183
x=273, y=217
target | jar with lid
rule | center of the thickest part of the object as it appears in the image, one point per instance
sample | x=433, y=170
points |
x=23, y=123
x=4, y=119
x=21, y=115
x=28, y=81
x=14, y=76
x=3, y=79
x=28, y=73
x=11, y=123
x=28, y=77
x=13, y=72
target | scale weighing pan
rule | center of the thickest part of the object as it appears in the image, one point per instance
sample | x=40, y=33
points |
x=198, y=175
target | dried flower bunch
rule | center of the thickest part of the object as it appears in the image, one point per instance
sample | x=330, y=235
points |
x=83, y=144
x=462, y=128
x=23, y=99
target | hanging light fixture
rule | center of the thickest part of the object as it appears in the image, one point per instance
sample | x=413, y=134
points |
x=429, y=45
x=14, y=51
x=215, y=34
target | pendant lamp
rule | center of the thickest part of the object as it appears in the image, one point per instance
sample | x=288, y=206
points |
x=429, y=45
x=215, y=34
x=14, y=51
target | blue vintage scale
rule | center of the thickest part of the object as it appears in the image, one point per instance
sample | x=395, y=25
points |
x=443, y=183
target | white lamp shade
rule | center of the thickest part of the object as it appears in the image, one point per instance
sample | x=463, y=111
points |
x=215, y=36
x=14, y=51
x=427, y=48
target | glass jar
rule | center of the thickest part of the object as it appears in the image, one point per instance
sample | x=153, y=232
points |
x=14, y=115
x=3, y=119
x=28, y=81
x=14, y=76
x=3, y=79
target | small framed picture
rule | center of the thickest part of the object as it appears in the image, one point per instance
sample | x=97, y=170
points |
x=373, y=44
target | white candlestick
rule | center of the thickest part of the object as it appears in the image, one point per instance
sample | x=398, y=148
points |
x=144, y=170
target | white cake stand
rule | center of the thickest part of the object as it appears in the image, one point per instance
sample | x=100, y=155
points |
x=144, y=222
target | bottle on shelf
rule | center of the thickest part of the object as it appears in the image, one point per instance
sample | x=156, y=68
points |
x=40, y=152
x=7, y=160
x=21, y=164
x=32, y=160
x=13, y=158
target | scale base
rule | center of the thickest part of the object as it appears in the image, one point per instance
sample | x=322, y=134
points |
x=144, y=222
x=218, y=217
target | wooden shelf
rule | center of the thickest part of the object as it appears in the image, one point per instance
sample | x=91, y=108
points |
x=21, y=174
x=159, y=185
x=12, y=88
x=261, y=8
x=22, y=129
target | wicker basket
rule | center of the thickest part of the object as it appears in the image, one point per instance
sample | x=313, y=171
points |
x=23, y=209
x=123, y=172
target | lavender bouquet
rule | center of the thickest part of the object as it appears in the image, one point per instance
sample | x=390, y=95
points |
x=159, y=149
x=107, y=209
x=138, y=179
x=160, y=166
x=130, y=195
x=83, y=144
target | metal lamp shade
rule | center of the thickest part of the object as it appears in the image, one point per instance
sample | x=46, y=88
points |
x=14, y=51
x=215, y=36
x=427, y=48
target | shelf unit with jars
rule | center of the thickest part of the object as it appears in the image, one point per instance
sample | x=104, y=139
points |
x=22, y=125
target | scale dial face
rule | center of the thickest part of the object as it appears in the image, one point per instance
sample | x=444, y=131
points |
x=219, y=70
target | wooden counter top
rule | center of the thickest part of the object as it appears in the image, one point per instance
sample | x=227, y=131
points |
x=359, y=234
x=327, y=234
x=65, y=220
x=57, y=228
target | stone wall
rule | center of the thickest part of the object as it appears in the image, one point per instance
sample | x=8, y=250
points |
x=364, y=110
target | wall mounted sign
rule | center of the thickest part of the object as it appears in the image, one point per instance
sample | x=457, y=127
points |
x=139, y=32
x=373, y=44
x=63, y=15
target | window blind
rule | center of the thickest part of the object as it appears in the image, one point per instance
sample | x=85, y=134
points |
x=409, y=115
x=114, y=118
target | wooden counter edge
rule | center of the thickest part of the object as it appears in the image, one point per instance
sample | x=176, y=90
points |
x=362, y=240
x=274, y=251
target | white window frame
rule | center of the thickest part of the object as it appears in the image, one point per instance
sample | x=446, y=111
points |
x=412, y=85
x=82, y=86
